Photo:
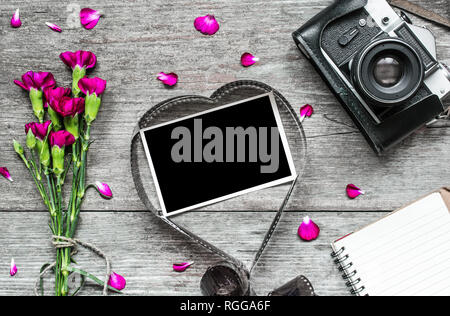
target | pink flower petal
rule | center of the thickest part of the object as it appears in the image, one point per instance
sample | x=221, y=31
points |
x=36, y=80
x=117, y=281
x=15, y=20
x=61, y=139
x=168, y=79
x=308, y=230
x=67, y=106
x=5, y=173
x=89, y=18
x=92, y=85
x=54, y=27
x=306, y=111
x=13, y=268
x=39, y=130
x=55, y=95
x=207, y=24
x=181, y=267
x=104, y=190
x=353, y=191
x=83, y=59
x=248, y=60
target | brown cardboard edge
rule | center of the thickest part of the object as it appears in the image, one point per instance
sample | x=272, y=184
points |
x=445, y=192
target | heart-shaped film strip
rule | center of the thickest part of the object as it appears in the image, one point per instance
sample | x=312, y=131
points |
x=231, y=267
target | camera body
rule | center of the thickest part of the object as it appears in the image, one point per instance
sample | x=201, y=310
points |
x=382, y=68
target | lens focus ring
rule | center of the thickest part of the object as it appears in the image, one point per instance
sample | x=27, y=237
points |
x=388, y=72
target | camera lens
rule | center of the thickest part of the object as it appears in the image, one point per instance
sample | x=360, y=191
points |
x=388, y=71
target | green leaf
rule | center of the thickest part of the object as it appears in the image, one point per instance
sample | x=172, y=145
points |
x=92, y=277
x=68, y=163
x=41, y=281
x=82, y=283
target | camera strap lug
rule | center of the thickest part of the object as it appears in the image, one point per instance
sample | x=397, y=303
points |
x=445, y=115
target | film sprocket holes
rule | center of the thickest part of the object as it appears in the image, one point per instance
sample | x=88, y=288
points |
x=382, y=68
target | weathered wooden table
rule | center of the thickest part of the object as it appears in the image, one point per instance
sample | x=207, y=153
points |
x=134, y=41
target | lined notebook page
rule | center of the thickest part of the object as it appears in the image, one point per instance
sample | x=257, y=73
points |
x=405, y=254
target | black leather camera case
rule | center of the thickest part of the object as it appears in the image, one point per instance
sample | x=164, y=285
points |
x=381, y=136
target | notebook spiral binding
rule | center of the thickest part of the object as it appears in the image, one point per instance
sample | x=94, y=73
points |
x=351, y=276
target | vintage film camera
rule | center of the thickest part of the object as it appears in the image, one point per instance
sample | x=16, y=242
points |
x=382, y=68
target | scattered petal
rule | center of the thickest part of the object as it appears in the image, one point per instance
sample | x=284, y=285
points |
x=15, y=20
x=353, y=191
x=13, y=268
x=308, y=230
x=117, y=281
x=181, y=267
x=104, y=190
x=306, y=111
x=168, y=79
x=5, y=173
x=248, y=60
x=54, y=27
x=89, y=18
x=207, y=24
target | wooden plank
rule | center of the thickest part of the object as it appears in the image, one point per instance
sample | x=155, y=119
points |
x=143, y=249
x=130, y=56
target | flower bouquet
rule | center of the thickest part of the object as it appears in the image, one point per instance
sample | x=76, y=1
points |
x=61, y=144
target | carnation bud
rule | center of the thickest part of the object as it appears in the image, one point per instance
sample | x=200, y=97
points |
x=93, y=103
x=44, y=152
x=55, y=118
x=58, y=160
x=71, y=125
x=18, y=148
x=77, y=74
x=31, y=140
x=38, y=104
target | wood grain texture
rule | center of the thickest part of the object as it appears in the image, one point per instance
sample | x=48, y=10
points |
x=160, y=37
x=143, y=249
x=134, y=41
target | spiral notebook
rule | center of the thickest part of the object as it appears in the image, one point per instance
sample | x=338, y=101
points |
x=404, y=254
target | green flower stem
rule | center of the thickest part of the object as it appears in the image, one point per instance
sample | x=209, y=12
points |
x=61, y=275
x=53, y=201
x=70, y=210
x=34, y=162
x=81, y=181
x=34, y=172
x=79, y=159
x=76, y=174
x=77, y=74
